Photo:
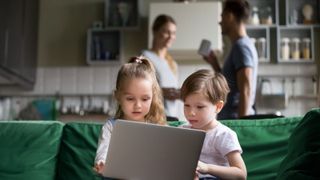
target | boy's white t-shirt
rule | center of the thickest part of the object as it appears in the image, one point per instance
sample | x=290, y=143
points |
x=217, y=144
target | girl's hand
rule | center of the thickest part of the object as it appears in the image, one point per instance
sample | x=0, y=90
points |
x=196, y=176
x=202, y=167
x=99, y=167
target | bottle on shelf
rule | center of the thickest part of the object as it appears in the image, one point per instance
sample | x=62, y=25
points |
x=295, y=48
x=285, y=49
x=266, y=15
x=261, y=47
x=294, y=17
x=254, y=16
x=124, y=9
x=306, y=53
x=97, y=48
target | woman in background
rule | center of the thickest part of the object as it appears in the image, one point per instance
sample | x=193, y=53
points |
x=164, y=34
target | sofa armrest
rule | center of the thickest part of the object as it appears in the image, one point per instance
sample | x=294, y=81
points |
x=29, y=149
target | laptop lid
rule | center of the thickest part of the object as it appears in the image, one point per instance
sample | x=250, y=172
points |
x=148, y=151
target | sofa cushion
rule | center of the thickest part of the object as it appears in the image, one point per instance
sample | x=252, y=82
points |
x=78, y=150
x=302, y=160
x=29, y=149
x=264, y=143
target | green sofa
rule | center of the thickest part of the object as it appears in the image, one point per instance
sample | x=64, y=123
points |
x=48, y=150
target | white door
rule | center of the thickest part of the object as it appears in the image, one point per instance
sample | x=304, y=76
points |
x=195, y=21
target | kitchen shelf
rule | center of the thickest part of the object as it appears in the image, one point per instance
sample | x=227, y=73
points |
x=122, y=14
x=104, y=44
x=103, y=47
x=296, y=32
x=304, y=97
x=262, y=32
x=260, y=26
x=262, y=5
x=294, y=12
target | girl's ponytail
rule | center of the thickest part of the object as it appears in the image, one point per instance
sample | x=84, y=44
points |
x=144, y=61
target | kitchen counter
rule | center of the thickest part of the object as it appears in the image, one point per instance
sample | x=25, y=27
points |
x=84, y=118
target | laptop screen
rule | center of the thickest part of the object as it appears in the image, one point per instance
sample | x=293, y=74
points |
x=148, y=151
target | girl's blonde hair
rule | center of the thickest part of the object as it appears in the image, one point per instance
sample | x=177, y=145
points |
x=210, y=83
x=140, y=67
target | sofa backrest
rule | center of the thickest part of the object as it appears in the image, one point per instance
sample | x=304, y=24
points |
x=77, y=151
x=29, y=149
x=51, y=150
x=264, y=143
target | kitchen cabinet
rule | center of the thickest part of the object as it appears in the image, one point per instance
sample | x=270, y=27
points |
x=195, y=21
x=281, y=23
x=18, y=42
x=104, y=44
x=289, y=66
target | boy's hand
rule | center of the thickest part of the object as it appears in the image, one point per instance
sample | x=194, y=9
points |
x=99, y=167
x=202, y=167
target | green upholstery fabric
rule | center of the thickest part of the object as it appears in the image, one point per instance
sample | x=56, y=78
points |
x=48, y=150
x=303, y=158
x=264, y=144
x=78, y=150
x=29, y=150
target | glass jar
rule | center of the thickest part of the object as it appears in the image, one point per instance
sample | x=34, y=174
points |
x=294, y=17
x=261, y=47
x=253, y=40
x=295, y=48
x=285, y=49
x=254, y=16
x=266, y=15
x=306, y=52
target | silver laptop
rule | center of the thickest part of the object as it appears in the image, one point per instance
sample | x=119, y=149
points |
x=140, y=151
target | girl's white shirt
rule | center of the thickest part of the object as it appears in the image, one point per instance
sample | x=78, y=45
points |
x=104, y=140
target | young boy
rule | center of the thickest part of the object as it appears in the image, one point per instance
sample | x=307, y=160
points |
x=204, y=94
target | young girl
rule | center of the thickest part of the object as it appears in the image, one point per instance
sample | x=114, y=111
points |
x=139, y=99
x=204, y=93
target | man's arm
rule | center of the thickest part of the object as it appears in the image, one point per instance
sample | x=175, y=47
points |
x=212, y=60
x=244, y=83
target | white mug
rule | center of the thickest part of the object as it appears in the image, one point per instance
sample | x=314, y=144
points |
x=205, y=47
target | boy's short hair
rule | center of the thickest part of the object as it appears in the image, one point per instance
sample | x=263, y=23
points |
x=239, y=8
x=210, y=83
